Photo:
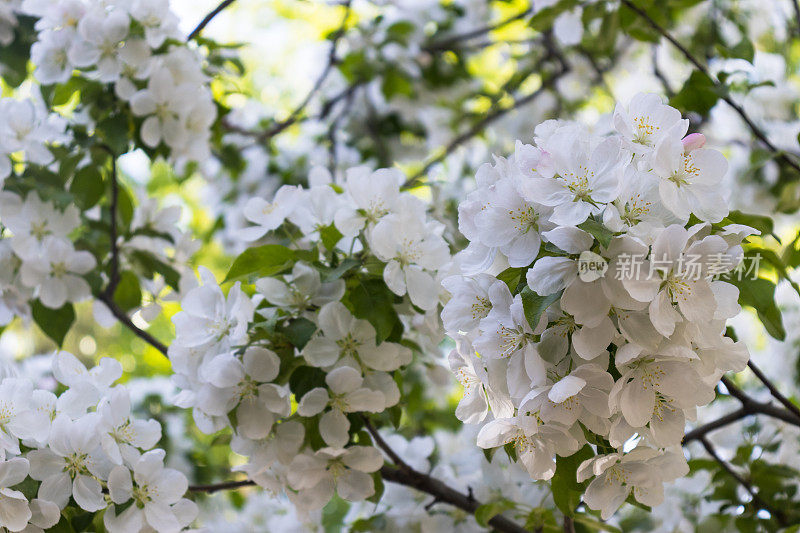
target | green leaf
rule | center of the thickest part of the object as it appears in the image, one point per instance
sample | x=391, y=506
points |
x=598, y=231
x=565, y=498
x=87, y=187
x=330, y=236
x=760, y=295
x=368, y=525
x=128, y=294
x=299, y=331
x=743, y=50
x=756, y=254
x=333, y=515
x=545, y=17
x=55, y=323
x=534, y=305
x=487, y=511
x=395, y=415
x=371, y=300
x=566, y=489
x=29, y=487
x=394, y=83
x=63, y=92
x=332, y=274
x=632, y=24
x=593, y=524
x=511, y=277
x=63, y=526
x=631, y=500
x=260, y=262
x=698, y=94
x=762, y=223
x=377, y=481
x=125, y=206
x=115, y=132
x=151, y=265
x=304, y=379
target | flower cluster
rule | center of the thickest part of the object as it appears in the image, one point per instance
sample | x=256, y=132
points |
x=43, y=255
x=26, y=128
x=134, y=46
x=79, y=445
x=562, y=355
x=293, y=368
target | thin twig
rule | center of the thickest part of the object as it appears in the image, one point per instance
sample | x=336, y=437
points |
x=113, y=276
x=789, y=404
x=333, y=128
x=448, y=42
x=208, y=18
x=107, y=295
x=796, y=6
x=569, y=524
x=332, y=61
x=659, y=74
x=777, y=513
x=225, y=485
x=779, y=154
x=481, y=125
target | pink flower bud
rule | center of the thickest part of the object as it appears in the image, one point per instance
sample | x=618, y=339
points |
x=693, y=141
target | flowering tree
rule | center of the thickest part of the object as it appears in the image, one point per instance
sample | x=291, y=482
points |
x=500, y=266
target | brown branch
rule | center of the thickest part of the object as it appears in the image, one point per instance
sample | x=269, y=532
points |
x=749, y=407
x=720, y=422
x=790, y=405
x=208, y=18
x=778, y=154
x=445, y=494
x=120, y=315
x=403, y=474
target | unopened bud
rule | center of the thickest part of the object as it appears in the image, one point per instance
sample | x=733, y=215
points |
x=693, y=141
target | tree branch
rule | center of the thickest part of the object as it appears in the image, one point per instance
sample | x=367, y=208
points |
x=778, y=154
x=403, y=474
x=790, y=405
x=749, y=407
x=208, y=18
x=120, y=315
x=778, y=514
x=107, y=295
x=445, y=494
